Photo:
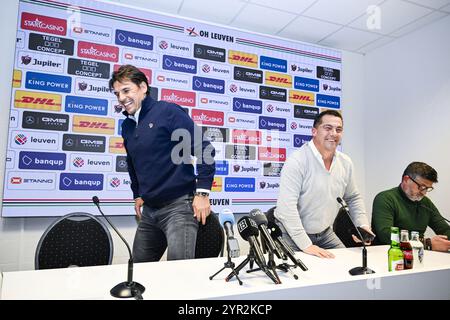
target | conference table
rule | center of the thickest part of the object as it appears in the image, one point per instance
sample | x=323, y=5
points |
x=189, y=280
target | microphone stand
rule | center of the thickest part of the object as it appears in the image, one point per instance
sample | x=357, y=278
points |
x=129, y=288
x=228, y=264
x=270, y=263
x=364, y=269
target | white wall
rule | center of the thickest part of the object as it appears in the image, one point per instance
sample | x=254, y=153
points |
x=380, y=138
x=407, y=116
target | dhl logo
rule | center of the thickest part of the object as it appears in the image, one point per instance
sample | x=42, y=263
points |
x=116, y=145
x=93, y=125
x=217, y=185
x=301, y=97
x=17, y=78
x=278, y=79
x=37, y=100
x=243, y=58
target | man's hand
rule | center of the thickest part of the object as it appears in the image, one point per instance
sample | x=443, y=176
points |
x=201, y=208
x=356, y=239
x=319, y=252
x=138, y=203
x=440, y=243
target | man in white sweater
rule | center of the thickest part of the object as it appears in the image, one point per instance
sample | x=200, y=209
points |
x=311, y=180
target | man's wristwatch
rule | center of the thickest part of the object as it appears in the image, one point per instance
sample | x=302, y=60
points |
x=201, y=194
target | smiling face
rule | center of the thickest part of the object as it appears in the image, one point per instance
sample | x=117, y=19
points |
x=130, y=95
x=328, y=134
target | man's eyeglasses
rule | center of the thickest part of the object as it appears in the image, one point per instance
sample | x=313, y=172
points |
x=421, y=186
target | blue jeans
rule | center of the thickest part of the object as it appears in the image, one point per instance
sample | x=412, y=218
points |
x=172, y=227
x=326, y=239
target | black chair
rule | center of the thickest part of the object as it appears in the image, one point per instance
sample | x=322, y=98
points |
x=344, y=228
x=210, y=238
x=76, y=239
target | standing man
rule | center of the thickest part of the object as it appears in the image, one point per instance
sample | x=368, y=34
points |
x=160, y=140
x=311, y=180
x=408, y=207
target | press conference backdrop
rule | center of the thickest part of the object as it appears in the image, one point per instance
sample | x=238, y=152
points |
x=254, y=96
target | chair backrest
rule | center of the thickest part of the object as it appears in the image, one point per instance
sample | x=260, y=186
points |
x=344, y=228
x=210, y=238
x=76, y=239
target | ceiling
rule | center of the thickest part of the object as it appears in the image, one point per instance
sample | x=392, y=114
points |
x=353, y=25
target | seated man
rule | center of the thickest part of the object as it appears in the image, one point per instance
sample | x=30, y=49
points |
x=407, y=207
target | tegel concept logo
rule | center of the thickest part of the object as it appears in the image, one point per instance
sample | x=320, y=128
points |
x=239, y=152
x=270, y=123
x=300, y=140
x=272, y=169
x=247, y=105
x=306, y=84
x=133, y=39
x=208, y=85
x=51, y=44
x=179, y=64
x=328, y=101
x=86, y=105
x=273, y=64
x=45, y=121
x=328, y=73
x=88, y=68
x=222, y=168
x=48, y=82
x=214, y=134
x=78, y=181
x=42, y=160
x=239, y=184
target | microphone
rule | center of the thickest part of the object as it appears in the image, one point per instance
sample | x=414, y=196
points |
x=248, y=229
x=128, y=288
x=277, y=235
x=261, y=220
x=357, y=270
x=226, y=219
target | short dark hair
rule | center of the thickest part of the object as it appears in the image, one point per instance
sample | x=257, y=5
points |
x=334, y=113
x=420, y=169
x=129, y=72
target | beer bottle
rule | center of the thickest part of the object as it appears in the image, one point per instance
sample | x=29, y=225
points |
x=407, y=250
x=395, y=254
x=418, y=251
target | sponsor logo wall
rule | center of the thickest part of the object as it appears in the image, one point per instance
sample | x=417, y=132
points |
x=254, y=96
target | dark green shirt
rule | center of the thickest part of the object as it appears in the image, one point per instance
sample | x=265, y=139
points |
x=392, y=208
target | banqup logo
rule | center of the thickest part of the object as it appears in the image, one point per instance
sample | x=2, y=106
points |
x=239, y=184
x=86, y=105
x=270, y=123
x=306, y=84
x=42, y=161
x=208, y=85
x=274, y=64
x=328, y=101
x=247, y=105
x=300, y=140
x=48, y=82
x=179, y=64
x=75, y=181
x=133, y=39
x=222, y=168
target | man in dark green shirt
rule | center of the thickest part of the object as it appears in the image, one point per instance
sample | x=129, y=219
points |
x=407, y=207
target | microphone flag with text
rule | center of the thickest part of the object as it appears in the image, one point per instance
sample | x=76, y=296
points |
x=261, y=220
x=357, y=270
x=128, y=288
x=227, y=220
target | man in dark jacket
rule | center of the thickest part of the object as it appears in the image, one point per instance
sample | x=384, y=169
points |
x=160, y=140
x=407, y=207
